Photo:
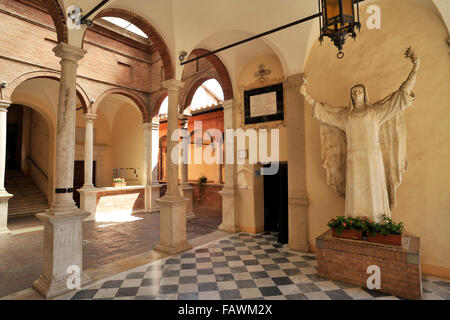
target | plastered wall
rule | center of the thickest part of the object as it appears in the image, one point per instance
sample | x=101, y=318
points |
x=250, y=201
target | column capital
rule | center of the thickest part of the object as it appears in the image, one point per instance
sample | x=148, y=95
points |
x=89, y=117
x=68, y=52
x=147, y=125
x=4, y=104
x=173, y=84
x=227, y=104
x=184, y=120
x=294, y=81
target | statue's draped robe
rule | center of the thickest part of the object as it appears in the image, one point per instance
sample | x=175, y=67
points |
x=353, y=147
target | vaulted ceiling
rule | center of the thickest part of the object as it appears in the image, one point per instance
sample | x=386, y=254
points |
x=210, y=24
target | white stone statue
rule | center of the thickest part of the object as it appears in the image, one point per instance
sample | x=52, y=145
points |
x=364, y=146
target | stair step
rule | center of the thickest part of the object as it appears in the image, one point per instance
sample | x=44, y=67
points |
x=27, y=198
x=27, y=207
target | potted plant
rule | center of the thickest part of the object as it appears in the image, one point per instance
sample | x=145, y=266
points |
x=119, y=182
x=202, y=180
x=347, y=227
x=387, y=232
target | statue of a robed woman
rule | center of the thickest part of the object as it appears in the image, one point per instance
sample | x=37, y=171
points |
x=364, y=146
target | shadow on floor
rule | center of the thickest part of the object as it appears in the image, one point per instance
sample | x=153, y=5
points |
x=103, y=243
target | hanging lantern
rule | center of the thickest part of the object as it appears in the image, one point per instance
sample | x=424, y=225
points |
x=338, y=21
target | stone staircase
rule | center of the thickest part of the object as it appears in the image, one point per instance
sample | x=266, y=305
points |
x=28, y=199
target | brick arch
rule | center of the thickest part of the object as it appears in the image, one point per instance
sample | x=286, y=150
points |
x=163, y=141
x=53, y=75
x=135, y=98
x=159, y=101
x=154, y=36
x=59, y=19
x=220, y=74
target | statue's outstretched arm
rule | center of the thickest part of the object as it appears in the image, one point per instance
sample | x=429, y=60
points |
x=411, y=81
x=308, y=98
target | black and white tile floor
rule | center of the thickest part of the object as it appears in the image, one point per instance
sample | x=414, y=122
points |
x=240, y=266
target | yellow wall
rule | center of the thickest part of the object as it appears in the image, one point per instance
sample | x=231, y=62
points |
x=376, y=59
x=127, y=149
x=102, y=141
x=119, y=133
x=196, y=170
x=39, y=150
x=250, y=201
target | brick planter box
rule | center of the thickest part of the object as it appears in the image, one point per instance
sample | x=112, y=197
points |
x=119, y=184
x=347, y=261
x=390, y=239
x=348, y=234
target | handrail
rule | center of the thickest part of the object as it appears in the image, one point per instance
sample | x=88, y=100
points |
x=38, y=167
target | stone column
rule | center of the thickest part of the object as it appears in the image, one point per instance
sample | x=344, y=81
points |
x=172, y=205
x=186, y=190
x=152, y=186
x=88, y=199
x=219, y=165
x=4, y=196
x=63, y=250
x=89, y=150
x=229, y=191
x=298, y=199
x=155, y=151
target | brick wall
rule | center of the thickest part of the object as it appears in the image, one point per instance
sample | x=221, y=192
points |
x=112, y=59
x=206, y=195
x=206, y=200
x=347, y=261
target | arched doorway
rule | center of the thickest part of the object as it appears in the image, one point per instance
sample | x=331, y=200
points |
x=31, y=142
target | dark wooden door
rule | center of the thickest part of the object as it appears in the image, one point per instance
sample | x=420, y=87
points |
x=14, y=138
x=276, y=203
x=78, y=179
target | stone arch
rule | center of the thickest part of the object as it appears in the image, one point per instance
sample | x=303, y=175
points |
x=220, y=74
x=155, y=37
x=59, y=19
x=135, y=98
x=54, y=75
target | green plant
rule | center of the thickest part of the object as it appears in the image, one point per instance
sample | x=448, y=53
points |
x=203, y=179
x=341, y=223
x=386, y=227
x=119, y=180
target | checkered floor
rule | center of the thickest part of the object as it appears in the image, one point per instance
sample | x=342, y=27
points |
x=240, y=266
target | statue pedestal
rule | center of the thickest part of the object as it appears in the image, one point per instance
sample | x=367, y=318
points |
x=347, y=261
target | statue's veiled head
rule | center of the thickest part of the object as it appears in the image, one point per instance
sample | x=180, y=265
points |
x=358, y=96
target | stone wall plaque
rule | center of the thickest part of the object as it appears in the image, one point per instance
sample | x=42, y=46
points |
x=264, y=104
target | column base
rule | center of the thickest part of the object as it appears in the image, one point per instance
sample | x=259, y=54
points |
x=56, y=287
x=88, y=201
x=181, y=247
x=152, y=194
x=4, y=198
x=298, y=226
x=187, y=192
x=229, y=215
x=63, y=250
x=172, y=225
x=229, y=229
x=4, y=232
